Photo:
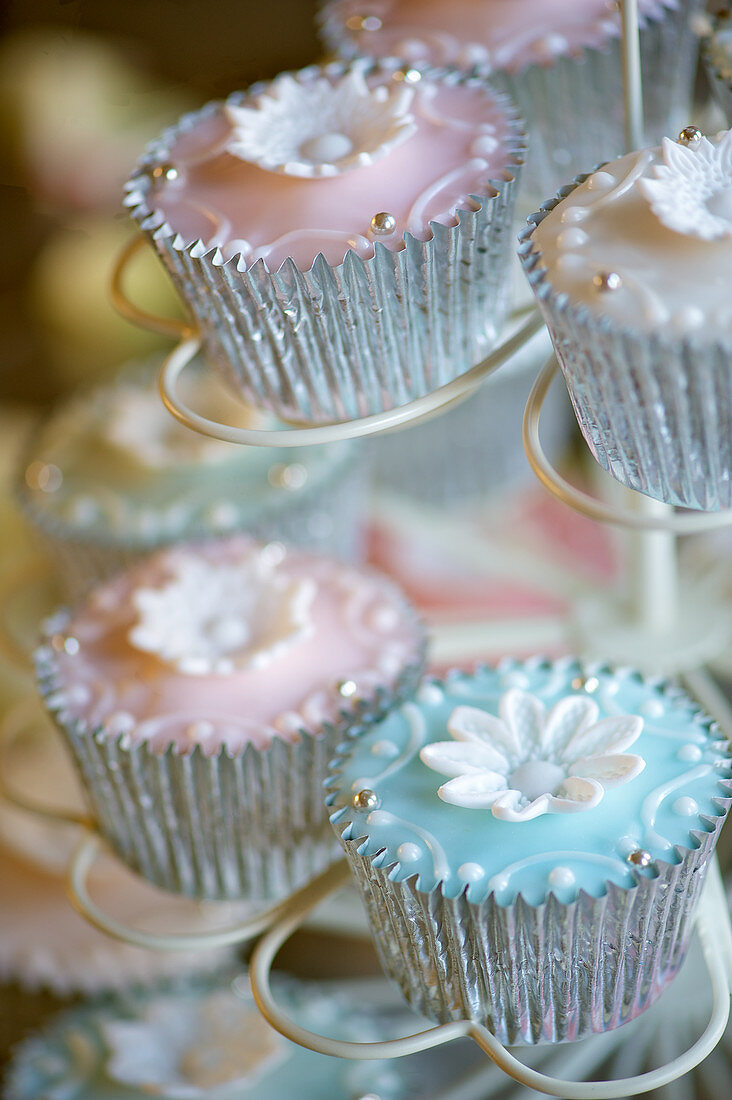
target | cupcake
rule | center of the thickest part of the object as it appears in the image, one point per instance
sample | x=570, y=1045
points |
x=530, y=842
x=631, y=269
x=717, y=54
x=560, y=62
x=473, y=452
x=110, y=476
x=202, y=694
x=339, y=235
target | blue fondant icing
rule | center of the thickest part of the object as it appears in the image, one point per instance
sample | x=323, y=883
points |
x=518, y=857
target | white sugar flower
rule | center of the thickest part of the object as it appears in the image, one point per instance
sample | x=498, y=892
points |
x=218, y=618
x=321, y=128
x=189, y=1050
x=529, y=762
x=692, y=191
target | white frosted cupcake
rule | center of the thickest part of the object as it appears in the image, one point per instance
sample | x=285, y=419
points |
x=339, y=235
x=631, y=269
x=530, y=842
x=560, y=60
x=717, y=54
x=110, y=476
x=203, y=693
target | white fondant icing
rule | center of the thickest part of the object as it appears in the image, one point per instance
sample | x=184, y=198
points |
x=321, y=127
x=219, y=618
x=685, y=806
x=440, y=862
x=528, y=761
x=692, y=190
x=408, y=852
x=470, y=872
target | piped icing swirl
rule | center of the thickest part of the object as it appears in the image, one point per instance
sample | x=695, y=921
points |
x=506, y=35
x=384, y=789
x=646, y=240
x=446, y=140
x=279, y=657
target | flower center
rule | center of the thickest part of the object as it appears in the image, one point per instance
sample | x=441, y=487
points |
x=720, y=204
x=536, y=777
x=326, y=148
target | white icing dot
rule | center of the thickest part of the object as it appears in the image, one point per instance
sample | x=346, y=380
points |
x=470, y=872
x=119, y=722
x=561, y=877
x=514, y=680
x=385, y=618
x=574, y=214
x=430, y=694
x=385, y=748
x=600, y=181
x=485, y=144
x=611, y=687
x=685, y=806
x=687, y=317
x=199, y=731
x=412, y=49
x=555, y=43
x=653, y=708
x=473, y=54
x=222, y=515
x=572, y=238
x=408, y=852
x=498, y=883
x=689, y=753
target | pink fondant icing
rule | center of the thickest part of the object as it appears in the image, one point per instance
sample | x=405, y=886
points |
x=506, y=35
x=361, y=629
x=463, y=140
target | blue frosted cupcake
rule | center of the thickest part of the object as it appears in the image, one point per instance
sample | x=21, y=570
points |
x=530, y=842
x=111, y=476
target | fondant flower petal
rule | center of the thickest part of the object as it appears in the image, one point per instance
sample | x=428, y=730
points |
x=462, y=758
x=524, y=716
x=475, y=792
x=474, y=724
x=576, y=794
x=614, y=734
x=509, y=807
x=568, y=718
x=610, y=770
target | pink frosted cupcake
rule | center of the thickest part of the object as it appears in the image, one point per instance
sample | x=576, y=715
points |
x=340, y=235
x=560, y=60
x=202, y=695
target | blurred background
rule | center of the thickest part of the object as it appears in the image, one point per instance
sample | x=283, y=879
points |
x=83, y=86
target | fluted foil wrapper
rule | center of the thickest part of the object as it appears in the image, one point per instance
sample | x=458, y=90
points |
x=535, y=974
x=326, y=517
x=655, y=410
x=573, y=107
x=474, y=451
x=721, y=83
x=340, y=342
x=253, y=825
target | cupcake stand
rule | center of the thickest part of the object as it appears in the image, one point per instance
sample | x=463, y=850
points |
x=680, y=637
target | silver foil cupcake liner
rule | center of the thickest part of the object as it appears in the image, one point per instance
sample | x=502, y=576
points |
x=534, y=974
x=573, y=108
x=306, y=344
x=655, y=411
x=327, y=517
x=474, y=452
x=252, y=825
x=720, y=78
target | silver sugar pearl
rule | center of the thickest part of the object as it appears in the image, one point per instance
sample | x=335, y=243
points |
x=363, y=23
x=407, y=75
x=589, y=685
x=164, y=171
x=640, y=858
x=365, y=799
x=383, y=223
x=607, y=280
x=347, y=688
x=690, y=135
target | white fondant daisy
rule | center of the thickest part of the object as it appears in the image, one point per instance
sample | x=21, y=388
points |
x=321, y=128
x=692, y=192
x=210, y=618
x=529, y=761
